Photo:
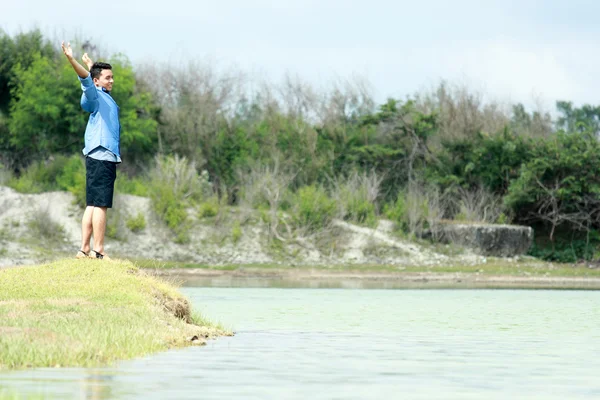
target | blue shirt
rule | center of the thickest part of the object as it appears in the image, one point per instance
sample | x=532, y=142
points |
x=103, y=130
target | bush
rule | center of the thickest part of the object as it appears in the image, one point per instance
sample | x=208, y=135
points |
x=564, y=251
x=314, y=209
x=134, y=186
x=356, y=197
x=33, y=180
x=479, y=205
x=136, y=224
x=398, y=212
x=417, y=209
x=57, y=173
x=174, y=186
x=72, y=179
x=43, y=227
x=236, y=232
x=5, y=175
x=209, y=208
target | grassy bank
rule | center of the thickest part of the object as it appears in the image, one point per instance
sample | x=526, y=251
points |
x=522, y=267
x=90, y=313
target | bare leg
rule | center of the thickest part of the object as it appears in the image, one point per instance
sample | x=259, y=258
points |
x=86, y=229
x=99, y=225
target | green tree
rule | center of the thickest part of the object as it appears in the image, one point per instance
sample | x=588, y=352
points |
x=573, y=119
x=560, y=184
x=44, y=116
x=23, y=49
x=138, y=113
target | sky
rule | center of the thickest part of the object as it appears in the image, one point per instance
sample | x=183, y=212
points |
x=530, y=51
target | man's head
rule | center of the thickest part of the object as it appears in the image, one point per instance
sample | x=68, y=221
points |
x=102, y=75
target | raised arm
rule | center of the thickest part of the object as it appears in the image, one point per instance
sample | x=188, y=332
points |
x=87, y=61
x=76, y=66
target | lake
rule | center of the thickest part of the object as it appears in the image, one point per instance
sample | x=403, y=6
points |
x=345, y=343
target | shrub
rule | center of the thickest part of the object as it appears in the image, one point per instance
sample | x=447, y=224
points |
x=479, y=205
x=418, y=208
x=136, y=224
x=72, y=179
x=56, y=173
x=314, y=209
x=398, y=212
x=356, y=197
x=209, y=208
x=236, y=232
x=134, y=186
x=32, y=180
x=174, y=186
x=43, y=227
x=5, y=175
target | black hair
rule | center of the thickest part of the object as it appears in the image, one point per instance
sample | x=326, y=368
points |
x=97, y=68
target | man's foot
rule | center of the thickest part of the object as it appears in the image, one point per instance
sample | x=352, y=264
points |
x=81, y=254
x=99, y=256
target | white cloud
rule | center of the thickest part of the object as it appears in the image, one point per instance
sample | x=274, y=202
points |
x=516, y=72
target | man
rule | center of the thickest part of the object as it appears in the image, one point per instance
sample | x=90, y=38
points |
x=101, y=151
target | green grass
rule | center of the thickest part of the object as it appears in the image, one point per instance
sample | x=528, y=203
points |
x=12, y=395
x=494, y=266
x=89, y=313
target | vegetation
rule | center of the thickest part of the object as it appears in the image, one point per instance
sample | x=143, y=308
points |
x=101, y=311
x=199, y=139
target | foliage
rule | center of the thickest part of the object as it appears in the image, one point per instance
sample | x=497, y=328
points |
x=580, y=120
x=356, y=198
x=174, y=186
x=72, y=178
x=56, y=173
x=137, y=113
x=565, y=251
x=136, y=186
x=42, y=227
x=136, y=224
x=560, y=184
x=489, y=161
x=209, y=208
x=45, y=116
x=295, y=153
x=314, y=209
x=236, y=232
x=397, y=211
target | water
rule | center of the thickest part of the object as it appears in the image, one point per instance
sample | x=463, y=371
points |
x=362, y=344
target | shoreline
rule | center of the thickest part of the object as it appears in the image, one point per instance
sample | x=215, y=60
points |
x=374, y=279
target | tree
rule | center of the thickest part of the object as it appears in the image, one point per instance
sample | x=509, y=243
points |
x=560, y=184
x=583, y=119
x=45, y=115
x=23, y=50
x=138, y=113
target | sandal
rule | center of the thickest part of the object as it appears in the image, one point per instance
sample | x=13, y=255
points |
x=99, y=256
x=81, y=254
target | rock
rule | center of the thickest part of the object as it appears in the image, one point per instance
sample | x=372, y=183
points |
x=490, y=239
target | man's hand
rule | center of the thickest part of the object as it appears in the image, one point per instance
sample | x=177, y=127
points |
x=67, y=49
x=87, y=61
x=79, y=70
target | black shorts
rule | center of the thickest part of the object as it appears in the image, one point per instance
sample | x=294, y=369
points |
x=99, y=182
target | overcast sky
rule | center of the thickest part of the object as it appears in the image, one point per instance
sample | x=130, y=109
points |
x=514, y=51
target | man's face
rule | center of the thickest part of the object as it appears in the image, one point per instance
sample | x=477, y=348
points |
x=105, y=80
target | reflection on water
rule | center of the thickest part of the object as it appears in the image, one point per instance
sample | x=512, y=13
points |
x=308, y=282
x=362, y=344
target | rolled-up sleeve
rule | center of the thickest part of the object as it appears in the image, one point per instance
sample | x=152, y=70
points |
x=89, y=100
